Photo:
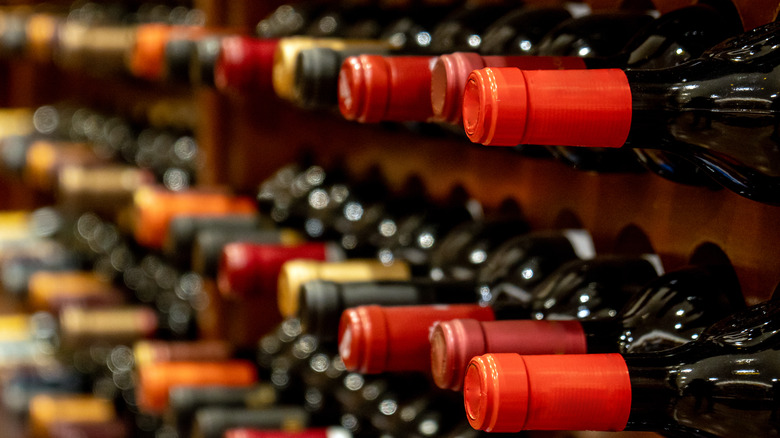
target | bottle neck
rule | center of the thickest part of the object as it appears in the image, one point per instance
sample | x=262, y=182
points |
x=602, y=335
x=705, y=387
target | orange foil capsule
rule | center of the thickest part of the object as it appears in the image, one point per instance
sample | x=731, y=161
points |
x=147, y=59
x=155, y=207
x=158, y=378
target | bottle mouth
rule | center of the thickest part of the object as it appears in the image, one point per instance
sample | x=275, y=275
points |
x=439, y=90
x=449, y=75
x=363, y=339
x=351, y=86
x=472, y=111
x=474, y=394
x=453, y=344
x=364, y=86
x=234, y=275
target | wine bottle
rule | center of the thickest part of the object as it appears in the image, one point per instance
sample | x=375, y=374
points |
x=375, y=339
x=253, y=269
x=426, y=415
x=519, y=264
x=703, y=102
x=102, y=429
x=104, y=190
x=209, y=244
x=323, y=302
x=213, y=422
x=286, y=57
x=53, y=291
x=521, y=30
x=289, y=19
x=295, y=273
x=466, y=248
x=669, y=40
x=670, y=311
x=154, y=351
x=15, y=271
x=46, y=410
x=24, y=382
x=351, y=19
x=373, y=88
x=312, y=432
x=156, y=379
x=719, y=385
x=185, y=401
x=595, y=35
x=418, y=234
x=244, y=65
x=316, y=76
x=146, y=56
x=115, y=324
x=463, y=29
x=155, y=207
x=183, y=231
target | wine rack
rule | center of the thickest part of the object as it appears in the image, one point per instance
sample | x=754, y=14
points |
x=245, y=138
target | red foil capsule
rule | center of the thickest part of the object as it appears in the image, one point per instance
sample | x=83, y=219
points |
x=375, y=88
x=374, y=339
x=451, y=72
x=248, y=269
x=245, y=65
x=509, y=106
x=507, y=392
x=455, y=342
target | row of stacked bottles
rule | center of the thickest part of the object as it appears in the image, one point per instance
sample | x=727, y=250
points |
x=343, y=361
x=389, y=58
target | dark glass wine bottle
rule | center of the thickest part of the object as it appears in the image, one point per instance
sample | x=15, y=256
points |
x=465, y=249
x=520, y=31
x=717, y=111
x=671, y=310
x=322, y=302
x=519, y=264
x=596, y=36
x=289, y=19
x=723, y=384
x=463, y=28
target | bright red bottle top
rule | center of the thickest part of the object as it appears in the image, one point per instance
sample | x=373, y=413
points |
x=374, y=88
x=317, y=432
x=249, y=268
x=506, y=392
x=245, y=64
x=508, y=106
x=455, y=342
x=375, y=339
x=451, y=72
